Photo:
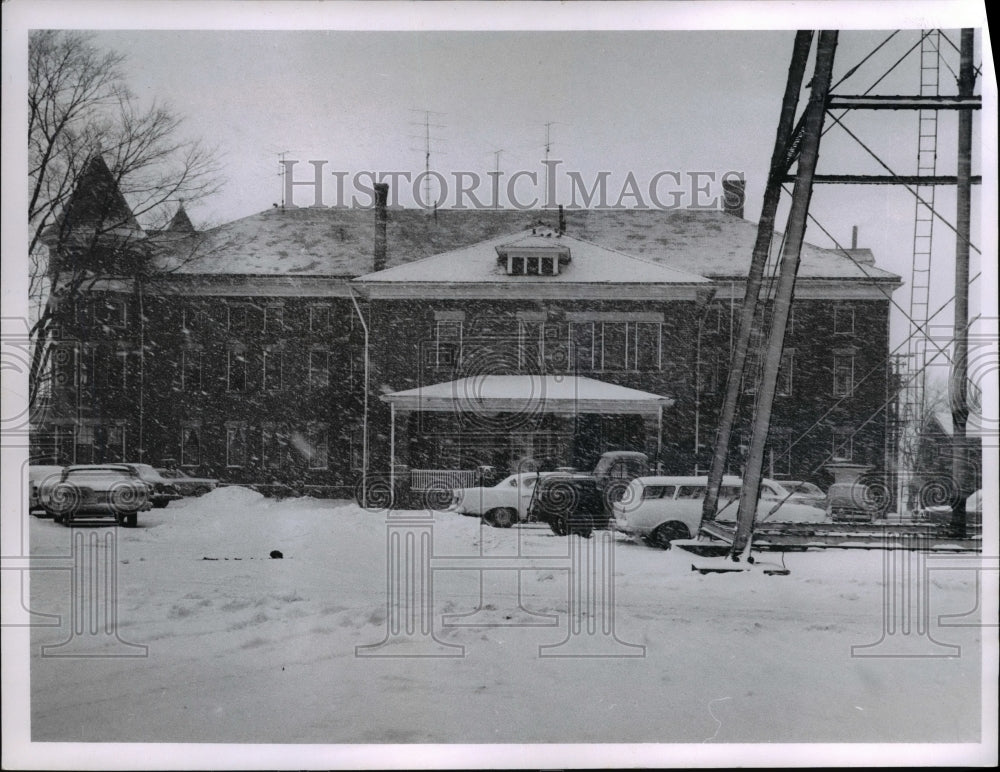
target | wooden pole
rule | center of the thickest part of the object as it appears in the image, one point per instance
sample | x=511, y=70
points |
x=755, y=277
x=795, y=233
x=959, y=372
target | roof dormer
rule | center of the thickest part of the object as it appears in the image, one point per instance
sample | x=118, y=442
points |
x=541, y=253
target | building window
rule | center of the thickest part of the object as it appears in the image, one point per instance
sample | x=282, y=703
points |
x=64, y=439
x=274, y=318
x=357, y=448
x=319, y=368
x=190, y=370
x=274, y=363
x=779, y=453
x=239, y=318
x=447, y=342
x=843, y=375
x=190, y=446
x=114, y=443
x=109, y=312
x=116, y=367
x=236, y=370
x=614, y=343
x=318, y=449
x=236, y=445
x=843, y=320
x=785, y=373
x=88, y=371
x=275, y=447
x=320, y=319
x=530, y=345
x=84, y=452
x=195, y=320
x=646, y=340
x=582, y=343
x=708, y=373
x=64, y=365
x=843, y=444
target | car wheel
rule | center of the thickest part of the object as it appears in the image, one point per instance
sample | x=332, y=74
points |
x=664, y=534
x=57, y=518
x=504, y=518
x=66, y=519
x=160, y=504
x=131, y=519
x=558, y=526
x=490, y=518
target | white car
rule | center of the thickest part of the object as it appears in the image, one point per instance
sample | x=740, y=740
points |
x=501, y=505
x=663, y=509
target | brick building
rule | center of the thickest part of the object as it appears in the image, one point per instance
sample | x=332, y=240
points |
x=484, y=336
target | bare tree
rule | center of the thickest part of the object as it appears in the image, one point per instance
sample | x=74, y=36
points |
x=79, y=110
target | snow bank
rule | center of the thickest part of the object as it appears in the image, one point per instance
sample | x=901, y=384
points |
x=231, y=495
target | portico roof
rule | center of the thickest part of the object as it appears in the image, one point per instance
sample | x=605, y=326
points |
x=561, y=394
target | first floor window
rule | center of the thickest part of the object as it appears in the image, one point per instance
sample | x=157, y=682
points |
x=779, y=453
x=275, y=447
x=114, y=443
x=64, y=439
x=708, y=373
x=357, y=448
x=318, y=448
x=85, y=444
x=843, y=375
x=843, y=444
x=785, y=372
x=236, y=445
x=191, y=446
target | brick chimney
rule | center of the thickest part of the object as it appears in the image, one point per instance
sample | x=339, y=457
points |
x=733, y=193
x=381, y=218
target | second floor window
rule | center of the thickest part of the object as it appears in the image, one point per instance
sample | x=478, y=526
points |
x=236, y=370
x=239, y=317
x=273, y=368
x=320, y=319
x=274, y=318
x=109, y=312
x=319, y=368
x=190, y=370
x=843, y=375
x=447, y=343
x=843, y=320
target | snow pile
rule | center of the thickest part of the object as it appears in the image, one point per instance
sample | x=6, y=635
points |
x=245, y=648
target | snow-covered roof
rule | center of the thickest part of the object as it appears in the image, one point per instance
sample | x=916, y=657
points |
x=339, y=242
x=589, y=264
x=564, y=394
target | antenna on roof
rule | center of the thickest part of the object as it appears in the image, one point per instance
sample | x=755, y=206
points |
x=428, y=139
x=281, y=161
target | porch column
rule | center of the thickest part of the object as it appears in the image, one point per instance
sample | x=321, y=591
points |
x=652, y=427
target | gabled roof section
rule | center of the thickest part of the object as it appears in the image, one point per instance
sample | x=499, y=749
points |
x=97, y=203
x=180, y=222
x=589, y=264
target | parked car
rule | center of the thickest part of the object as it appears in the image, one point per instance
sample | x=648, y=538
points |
x=41, y=480
x=805, y=492
x=616, y=469
x=163, y=490
x=661, y=510
x=569, y=503
x=499, y=505
x=187, y=485
x=100, y=490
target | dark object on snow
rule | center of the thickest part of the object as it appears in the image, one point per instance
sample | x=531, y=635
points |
x=276, y=554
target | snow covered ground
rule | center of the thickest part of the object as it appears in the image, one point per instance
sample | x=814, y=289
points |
x=243, y=648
